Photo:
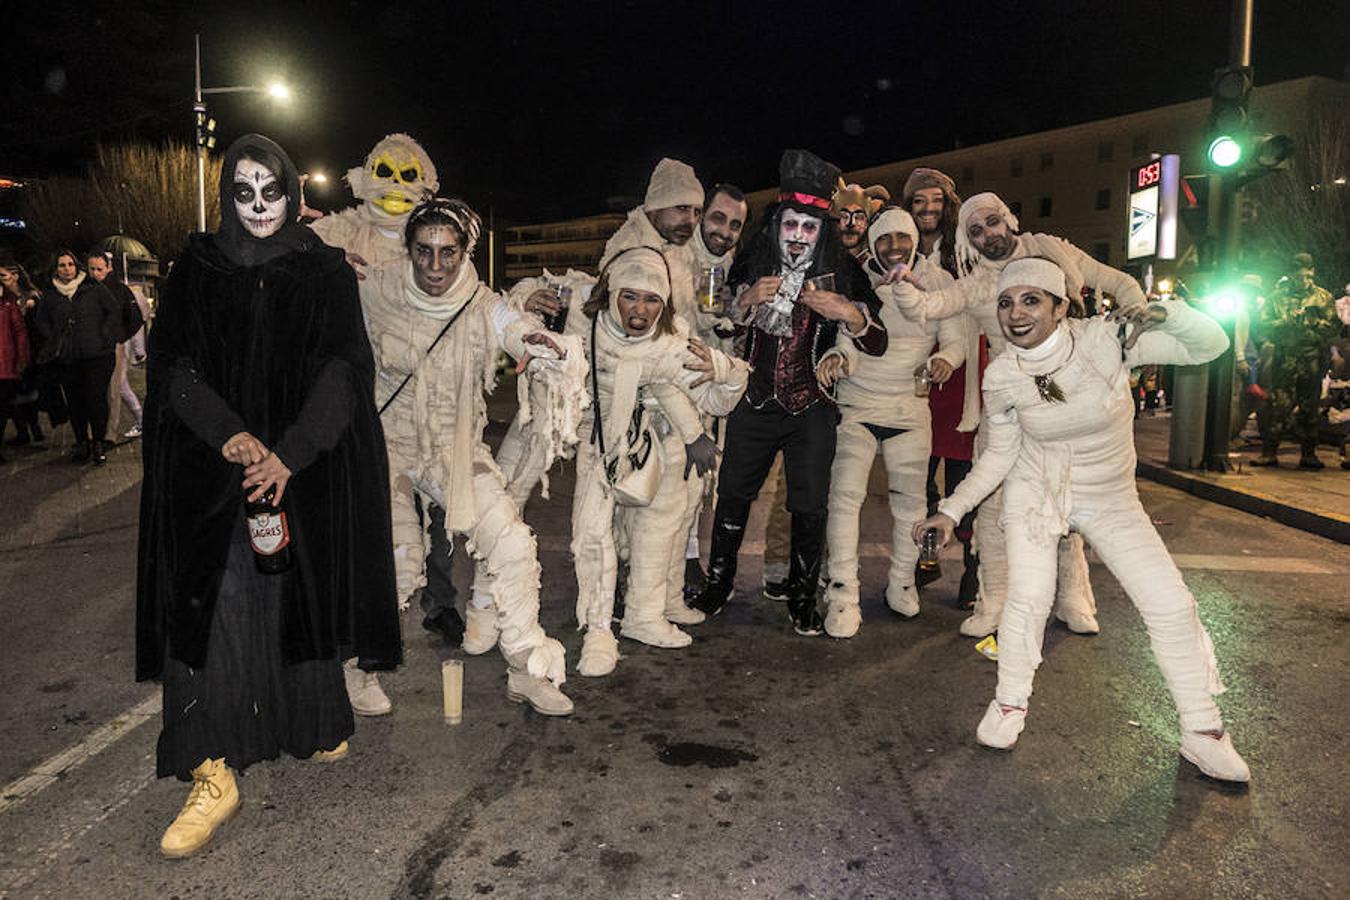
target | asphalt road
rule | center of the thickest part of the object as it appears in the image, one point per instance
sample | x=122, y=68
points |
x=753, y=764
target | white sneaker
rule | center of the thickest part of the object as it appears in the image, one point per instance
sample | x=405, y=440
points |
x=364, y=691
x=999, y=729
x=904, y=600
x=480, y=629
x=545, y=697
x=1079, y=623
x=599, y=653
x=684, y=614
x=980, y=625
x=1216, y=757
x=655, y=633
x=133, y=432
x=842, y=619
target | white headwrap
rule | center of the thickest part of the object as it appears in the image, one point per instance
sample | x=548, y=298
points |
x=638, y=269
x=1033, y=271
x=981, y=204
x=673, y=183
x=889, y=221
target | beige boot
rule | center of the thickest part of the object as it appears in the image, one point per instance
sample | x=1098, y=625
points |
x=903, y=599
x=655, y=633
x=330, y=756
x=213, y=801
x=364, y=692
x=681, y=613
x=843, y=616
x=480, y=629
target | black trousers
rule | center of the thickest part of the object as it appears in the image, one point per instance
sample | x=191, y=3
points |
x=86, y=383
x=754, y=437
x=440, y=590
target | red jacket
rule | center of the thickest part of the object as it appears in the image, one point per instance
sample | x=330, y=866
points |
x=14, y=357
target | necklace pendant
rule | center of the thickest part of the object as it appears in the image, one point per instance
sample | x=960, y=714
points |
x=1049, y=391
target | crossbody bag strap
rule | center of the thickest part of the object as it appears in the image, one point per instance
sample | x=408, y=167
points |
x=406, y=378
x=597, y=427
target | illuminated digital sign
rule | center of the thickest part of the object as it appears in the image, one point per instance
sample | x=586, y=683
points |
x=1152, y=209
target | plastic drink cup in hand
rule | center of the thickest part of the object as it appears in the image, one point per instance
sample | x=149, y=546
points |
x=822, y=282
x=928, y=550
x=922, y=382
x=556, y=321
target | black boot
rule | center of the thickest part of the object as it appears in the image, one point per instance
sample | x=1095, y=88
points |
x=96, y=455
x=80, y=452
x=695, y=580
x=970, y=578
x=447, y=623
x=728, y=530
x=808, y=545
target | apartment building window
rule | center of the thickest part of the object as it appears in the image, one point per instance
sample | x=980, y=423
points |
x=967, y=176
x=1101, y=251
x=1047, y=206
x=1016, y=207
x=1015, y=167
x=1047, y=161
x=1139, y=145
x=1104, y=198
x=1106, y=151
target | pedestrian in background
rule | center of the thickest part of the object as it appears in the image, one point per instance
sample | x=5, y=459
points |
x=1295, y=330
x=13, y=355
x=132, y=318
x=17, y=292
x=80, y=323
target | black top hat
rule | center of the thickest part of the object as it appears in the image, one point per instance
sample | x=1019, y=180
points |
x=806, y=180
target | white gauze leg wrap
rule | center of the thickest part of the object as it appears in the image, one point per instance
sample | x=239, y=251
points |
x=855, y=450
x=906, y=457
x=410, y=538
x=1129, y=545
x=1031, y=593
x=593, y=540
x=990, y=543
x=1073, y=593
x=654, y=539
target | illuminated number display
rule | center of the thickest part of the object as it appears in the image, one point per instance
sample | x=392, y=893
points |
x=1147, y=176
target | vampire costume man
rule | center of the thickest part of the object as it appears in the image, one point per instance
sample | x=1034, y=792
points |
x=260, y=383
x=793, y=315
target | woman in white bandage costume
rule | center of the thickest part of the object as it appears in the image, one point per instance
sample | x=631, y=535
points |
x=1059, y=421
x=649, y=376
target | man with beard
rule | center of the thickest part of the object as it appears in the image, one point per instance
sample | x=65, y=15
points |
x=853, y=207
x=987, y=240
x=790, y=323
x=396, y=175
x=931, y=199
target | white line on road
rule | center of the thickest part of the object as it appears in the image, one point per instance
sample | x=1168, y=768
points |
x=53, y=767
x=1293, y=565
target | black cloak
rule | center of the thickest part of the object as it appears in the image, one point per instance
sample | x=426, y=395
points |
x=268, y=336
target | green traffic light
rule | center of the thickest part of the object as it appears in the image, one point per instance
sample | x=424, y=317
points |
x=1225, y=151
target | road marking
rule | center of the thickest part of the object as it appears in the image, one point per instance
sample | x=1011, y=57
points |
x=53, y=767
x=1293, y=565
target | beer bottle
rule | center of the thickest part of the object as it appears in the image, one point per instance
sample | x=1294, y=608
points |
x=269, y=534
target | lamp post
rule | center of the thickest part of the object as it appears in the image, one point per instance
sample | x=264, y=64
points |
x=206, y=126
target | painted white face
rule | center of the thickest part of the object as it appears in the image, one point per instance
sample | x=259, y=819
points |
x=259, y=198
x=797, y=235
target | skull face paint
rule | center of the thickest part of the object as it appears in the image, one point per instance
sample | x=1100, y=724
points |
x=259, y=198
x=797, y=236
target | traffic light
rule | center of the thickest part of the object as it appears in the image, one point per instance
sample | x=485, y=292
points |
x=206, y=128
x=1228, y=118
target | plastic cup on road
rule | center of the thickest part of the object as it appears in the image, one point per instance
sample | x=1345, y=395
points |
x=452, y=690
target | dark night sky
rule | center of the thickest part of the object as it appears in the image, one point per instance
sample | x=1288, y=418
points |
x=544, y=110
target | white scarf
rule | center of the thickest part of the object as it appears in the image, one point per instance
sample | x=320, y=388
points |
x=68, y=288
x=444, y=306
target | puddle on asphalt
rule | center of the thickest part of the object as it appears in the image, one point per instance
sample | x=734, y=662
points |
x=693, y=754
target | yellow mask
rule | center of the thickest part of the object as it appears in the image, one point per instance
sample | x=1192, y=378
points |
x=396, y=175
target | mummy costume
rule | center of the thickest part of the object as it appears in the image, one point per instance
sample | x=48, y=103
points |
x=1059, y=420
x=646, y=404
x=395, y=177
x=784, y=408
x=879, y=413
x=435, y=413
x=975, y=293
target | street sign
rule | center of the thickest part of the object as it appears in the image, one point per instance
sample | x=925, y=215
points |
x=1152, y=209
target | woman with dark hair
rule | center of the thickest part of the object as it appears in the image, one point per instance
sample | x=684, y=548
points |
x=18, y=401
x=260, y=391
x=1058, y=418
x=80, y=322
x=649, y=380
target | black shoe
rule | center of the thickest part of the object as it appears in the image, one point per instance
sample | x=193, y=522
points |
x=97, y=456
x=1310, y=461
x=694, y=579
x=777, y=591
x=714, y=596
x=79, y=453
x=447, y=623
x=805, y=616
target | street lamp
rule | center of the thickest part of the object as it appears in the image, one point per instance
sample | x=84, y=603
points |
x=206, y=125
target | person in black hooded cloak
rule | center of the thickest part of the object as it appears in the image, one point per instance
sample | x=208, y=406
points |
x=260, y=382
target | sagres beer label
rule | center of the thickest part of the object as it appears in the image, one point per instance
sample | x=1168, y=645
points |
x=268, y=533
